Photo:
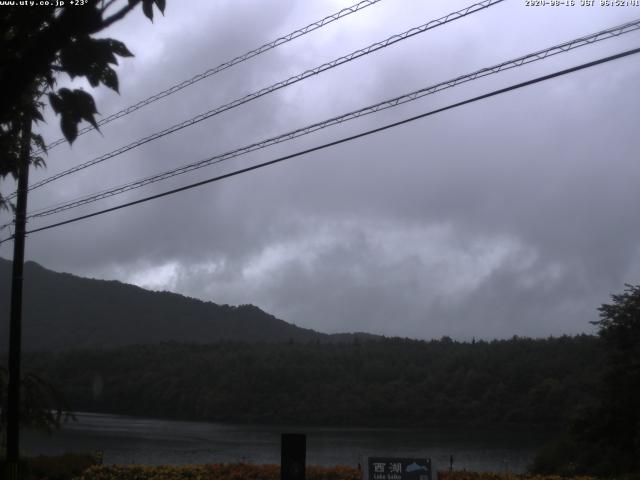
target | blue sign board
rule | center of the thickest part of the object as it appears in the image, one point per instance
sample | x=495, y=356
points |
x=383, y=468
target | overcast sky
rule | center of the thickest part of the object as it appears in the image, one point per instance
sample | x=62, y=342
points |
x=513, y=216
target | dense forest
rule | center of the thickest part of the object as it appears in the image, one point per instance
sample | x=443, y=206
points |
x=393, y=382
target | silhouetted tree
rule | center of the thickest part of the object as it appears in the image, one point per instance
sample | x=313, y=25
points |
x=619, y=414
x=42, y=407
x=39, y=42
x=604, y=438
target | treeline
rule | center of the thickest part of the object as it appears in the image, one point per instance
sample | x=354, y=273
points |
x=393, y=382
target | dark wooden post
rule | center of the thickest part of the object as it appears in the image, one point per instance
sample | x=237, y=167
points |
x=293, y=456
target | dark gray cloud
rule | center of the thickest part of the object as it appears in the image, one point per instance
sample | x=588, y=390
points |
x=509, y=216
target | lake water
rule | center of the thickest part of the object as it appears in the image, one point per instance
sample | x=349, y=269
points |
x=126, y=440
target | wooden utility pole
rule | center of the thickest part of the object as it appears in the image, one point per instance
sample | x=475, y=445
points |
x=15, y=325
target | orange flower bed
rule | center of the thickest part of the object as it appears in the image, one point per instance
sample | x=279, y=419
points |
x=238, y=471
x=244, y=471
x=456, y=475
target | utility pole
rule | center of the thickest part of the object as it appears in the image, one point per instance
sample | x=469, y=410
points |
x=15, y=325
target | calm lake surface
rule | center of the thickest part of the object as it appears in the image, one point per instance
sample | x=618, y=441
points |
x=126, y=440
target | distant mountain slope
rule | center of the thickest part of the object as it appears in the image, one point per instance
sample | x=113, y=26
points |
x=65, y=311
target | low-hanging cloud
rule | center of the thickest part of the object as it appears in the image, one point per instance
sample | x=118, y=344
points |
x=512, y=216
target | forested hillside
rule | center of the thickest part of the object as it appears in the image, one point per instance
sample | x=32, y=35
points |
x=391, y=382
x=64, y=311
x=112, y=347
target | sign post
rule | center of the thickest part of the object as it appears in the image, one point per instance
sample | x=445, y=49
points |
x=387, y=468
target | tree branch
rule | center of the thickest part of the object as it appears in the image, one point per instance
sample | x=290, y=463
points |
x=120, y=14
x=104, y=7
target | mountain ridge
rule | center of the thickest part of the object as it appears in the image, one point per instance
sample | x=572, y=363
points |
x=63, y=311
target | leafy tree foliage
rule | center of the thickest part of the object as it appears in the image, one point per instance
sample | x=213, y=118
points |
x=615, y=427
x=37, y=44
x=605, y=437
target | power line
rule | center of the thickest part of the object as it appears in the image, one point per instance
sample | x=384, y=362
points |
x=529, y=58
x=389, y=103
x=223, y=66
x=343, y=140
x=276, y=86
